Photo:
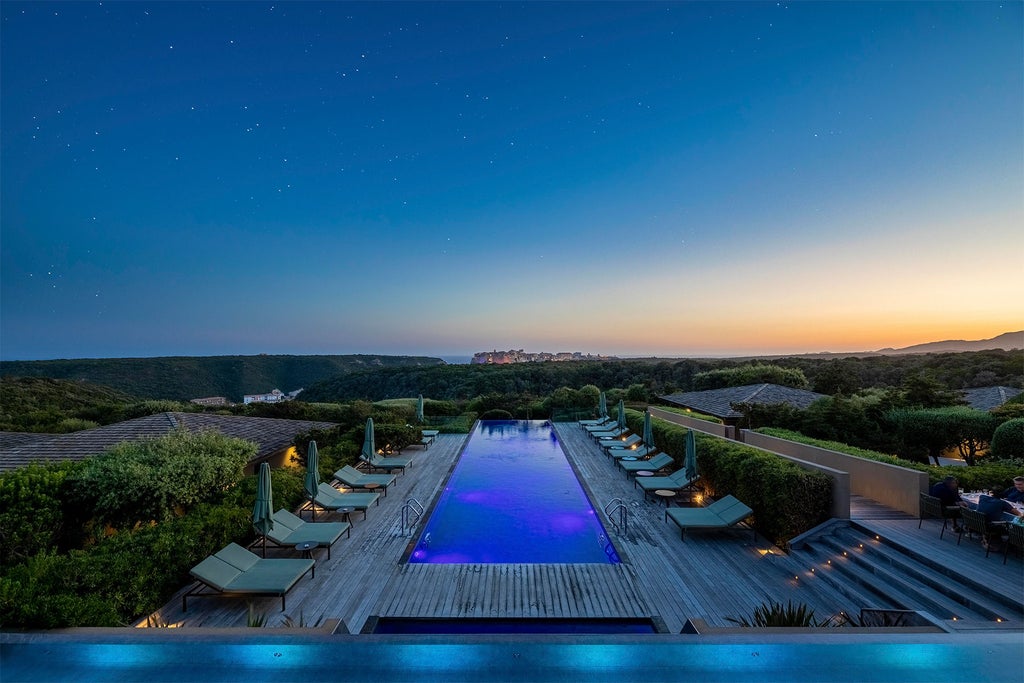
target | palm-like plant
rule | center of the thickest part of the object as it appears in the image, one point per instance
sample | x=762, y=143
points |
x=789, y=615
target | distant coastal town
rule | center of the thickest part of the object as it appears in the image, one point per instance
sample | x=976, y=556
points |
x=520, y=356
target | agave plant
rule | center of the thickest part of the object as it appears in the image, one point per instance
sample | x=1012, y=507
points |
x=256, y=620
x=776, y=614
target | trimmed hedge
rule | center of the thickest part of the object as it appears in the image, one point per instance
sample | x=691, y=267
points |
x=690, y=413
x=786, y=499
x=990, y=474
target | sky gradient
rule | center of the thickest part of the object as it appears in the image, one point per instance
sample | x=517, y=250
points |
x=439, y=179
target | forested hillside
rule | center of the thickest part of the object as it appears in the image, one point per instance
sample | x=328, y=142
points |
x=187, y=377
x=825, y=375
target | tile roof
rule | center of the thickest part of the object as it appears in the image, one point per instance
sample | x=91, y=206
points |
x=718, y=402
x=988, y=398
x=270, y=434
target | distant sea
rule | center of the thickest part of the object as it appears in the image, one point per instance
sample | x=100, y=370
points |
x=456, y=360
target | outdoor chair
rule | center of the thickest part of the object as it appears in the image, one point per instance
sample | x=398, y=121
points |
x=974, y=522
x=1015, y=539
x=234, y=571
x=722, y=514
x=933, y=507
x=292, y=530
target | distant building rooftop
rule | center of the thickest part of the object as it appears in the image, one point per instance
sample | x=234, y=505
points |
x=272, y=435
x=988, y=398
x=719, y=402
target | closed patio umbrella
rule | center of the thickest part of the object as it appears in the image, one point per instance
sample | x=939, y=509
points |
x=419, y=408
x=622, y=414
x=369, y=447
x=312, y=481
x=262, y=509
x=690, y=461
x=648, y=431
x=602, y=405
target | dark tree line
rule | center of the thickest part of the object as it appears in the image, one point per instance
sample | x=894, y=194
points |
x=827, y=375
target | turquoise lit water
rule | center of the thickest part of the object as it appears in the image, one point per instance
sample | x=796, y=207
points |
x=513, y=498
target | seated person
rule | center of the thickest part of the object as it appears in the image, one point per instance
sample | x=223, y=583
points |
x=993, y=506
x=1016, y=494
x=948, y=492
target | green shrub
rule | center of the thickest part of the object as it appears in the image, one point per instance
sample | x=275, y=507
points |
x=395, y=437
x=1008, y=440
x=31, y=514
x=122, y=577
x=155, y=479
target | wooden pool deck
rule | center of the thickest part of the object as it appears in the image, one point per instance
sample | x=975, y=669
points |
x=710, y=577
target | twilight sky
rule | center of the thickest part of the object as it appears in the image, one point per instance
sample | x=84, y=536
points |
x=621, y=178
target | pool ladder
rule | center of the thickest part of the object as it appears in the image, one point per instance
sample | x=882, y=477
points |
x=412, y=511
x=618, y=514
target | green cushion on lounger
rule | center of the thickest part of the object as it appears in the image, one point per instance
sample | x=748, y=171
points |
x=233, y=570
x=215, y=572
x=350, y=476
x=290, y=530
x=673, y=482
x=331, y=498
x=653, y=465
x=721, y=514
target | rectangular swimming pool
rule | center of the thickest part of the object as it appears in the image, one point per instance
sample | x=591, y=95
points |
x=513, y=498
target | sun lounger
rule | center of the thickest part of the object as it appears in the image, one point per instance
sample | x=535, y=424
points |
x=353, y=478
x=677, y=481
x=597, y=422
x=614, y=434
x=653, y=464
x=291, y=530
x=332, y=500
x=234, y=571
x=641, y=452
x=630, y=440
x=602, y=426
x=378, y=462
x=721, y=514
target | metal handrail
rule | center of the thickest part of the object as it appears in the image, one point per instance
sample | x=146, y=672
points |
x=412, y=511
x=619, y=506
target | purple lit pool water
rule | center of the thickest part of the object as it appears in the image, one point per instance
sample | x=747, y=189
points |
x=513, y=498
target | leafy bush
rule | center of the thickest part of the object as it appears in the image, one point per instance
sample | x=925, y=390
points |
x=1008, y=440
x=155, y=479
x=31, y=514
x=120, y=578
